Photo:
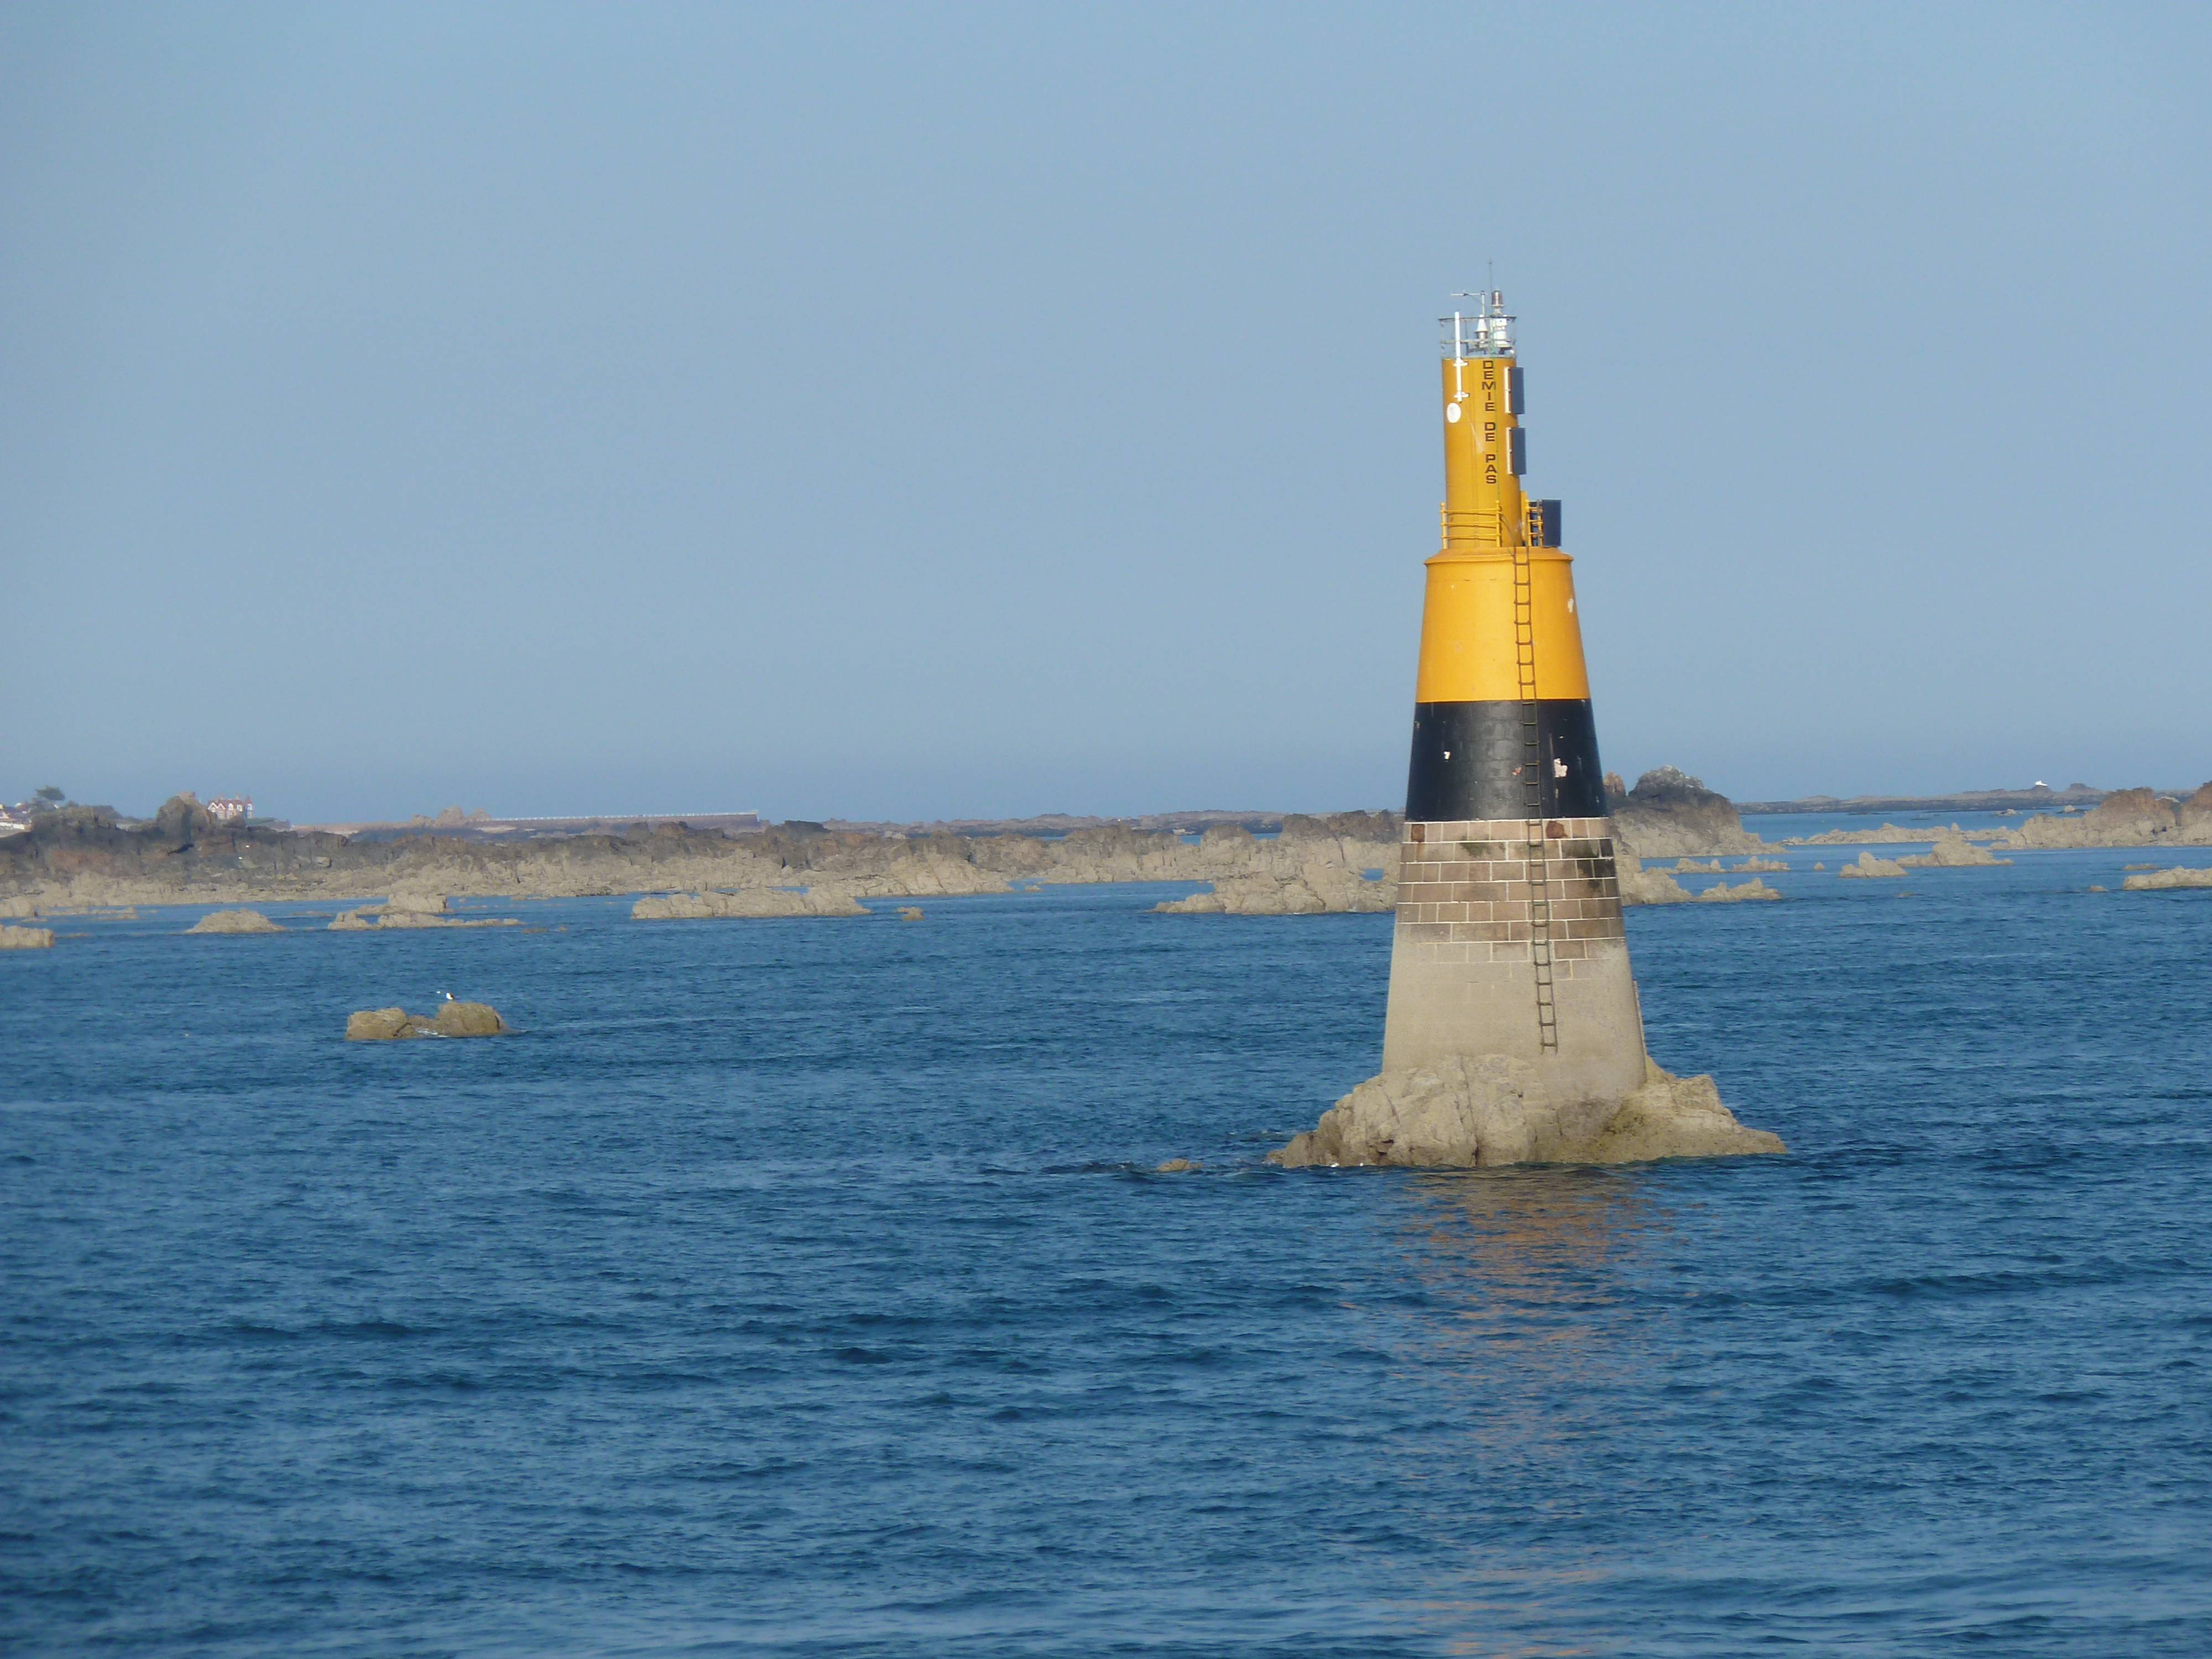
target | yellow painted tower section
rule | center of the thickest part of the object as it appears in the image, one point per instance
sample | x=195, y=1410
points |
x=1483, y=504
x=1471, y=650
x=1469, y=645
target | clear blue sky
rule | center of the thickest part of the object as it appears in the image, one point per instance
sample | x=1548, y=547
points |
x=910, y=410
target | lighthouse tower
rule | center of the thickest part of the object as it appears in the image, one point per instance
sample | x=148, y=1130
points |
x=1509, y=937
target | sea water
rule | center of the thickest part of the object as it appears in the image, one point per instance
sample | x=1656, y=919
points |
x=804, y=1287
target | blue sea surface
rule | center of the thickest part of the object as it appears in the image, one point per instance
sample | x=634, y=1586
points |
x=804, y=1287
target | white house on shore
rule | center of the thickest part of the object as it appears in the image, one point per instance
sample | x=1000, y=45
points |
x=230, y=809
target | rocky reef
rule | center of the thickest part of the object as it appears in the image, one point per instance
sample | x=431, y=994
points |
x=411, y=910
x=1869, y=866
x=87, y=856
x=2159, y=880
x=234, y=921
x=26, y=939
x=453, y=1019
x=1669, y=814
x=1480, y=1113
x=1952, y=851
x=749, y=902
x=1316, y=888
x=1642, y=886
x=1751, y=891
x=1882, y=835
x=2127, y=818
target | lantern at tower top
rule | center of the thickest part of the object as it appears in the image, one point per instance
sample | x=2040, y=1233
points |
x=1483, y=330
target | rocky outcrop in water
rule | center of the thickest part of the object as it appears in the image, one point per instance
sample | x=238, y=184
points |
x=26, y=939
x=1881, y=836
x=1869, y=866
x=2128, y=817
x=1950, y=851
x=453, y=1019
x=1744, y=891
x=1669, y=814
x=1480, y=1113
x=1317, y=889
x=749, y=902
x=413, y=911
x=1641, y=886
x=415, y=905
x=234, y=921
x=2157, y=880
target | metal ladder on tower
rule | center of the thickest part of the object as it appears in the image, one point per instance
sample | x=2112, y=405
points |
x=1537, y=853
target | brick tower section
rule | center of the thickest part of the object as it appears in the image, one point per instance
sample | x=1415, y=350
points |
x=1463, y=961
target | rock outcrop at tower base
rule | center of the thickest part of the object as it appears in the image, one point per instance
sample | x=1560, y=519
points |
x=1481, y=1112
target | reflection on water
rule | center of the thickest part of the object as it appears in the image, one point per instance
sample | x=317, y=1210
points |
x=1521, y=1340
x=1523, y=1226
x=1520, y=1270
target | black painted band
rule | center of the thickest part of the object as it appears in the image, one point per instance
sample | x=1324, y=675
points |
x=1470, y=760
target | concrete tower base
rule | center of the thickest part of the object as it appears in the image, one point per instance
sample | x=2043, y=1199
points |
x=1479, y=918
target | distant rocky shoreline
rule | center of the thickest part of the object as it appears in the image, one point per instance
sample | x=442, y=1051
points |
x=2040, y=798
x=79, y=857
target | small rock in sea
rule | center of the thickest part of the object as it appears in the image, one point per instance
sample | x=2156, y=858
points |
x=454, y=1019
x=1820, y=867
x=909, y=913
x=380, y=1024
x=827, y=901
x=369, y=918
x=234, y=921
x=467, y=1019
x=1176, y=1166
x=1722, y=893
x=2181, y=876
x=26, y=939
x=2095, y=889
x=1869, y=866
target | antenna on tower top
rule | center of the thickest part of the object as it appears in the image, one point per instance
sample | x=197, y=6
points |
x=1486, y=331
